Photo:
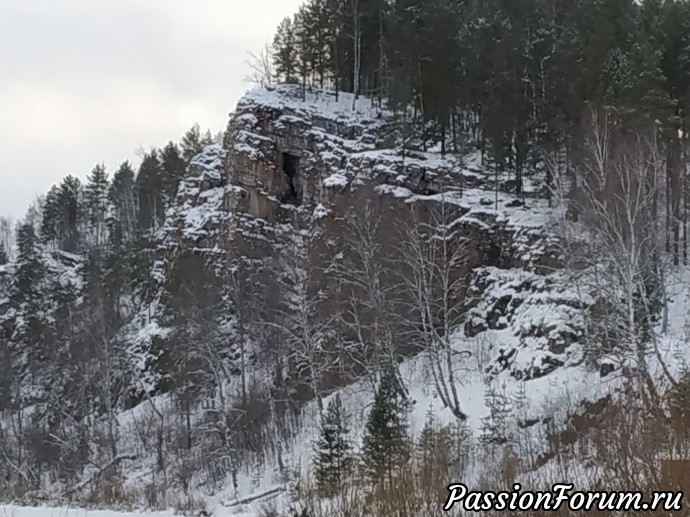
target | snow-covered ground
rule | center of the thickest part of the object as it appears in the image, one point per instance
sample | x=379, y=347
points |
x=45, y=511
x=551, y=395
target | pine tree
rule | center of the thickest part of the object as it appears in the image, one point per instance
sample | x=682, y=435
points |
x=27, y=298
x=124, y=201
x=647, y=305
x=315, y=18
x=403, y=55
x=427, y=439
x=69, y=222
x=6, y=373
x=386, y=440
x=435, y=450
x=332, y=454
x=460, y=447
x=305, y=56
x=285, y=52
x=51, y=226
x=96, y=203
x=117, y=266
x=173, y=169
x=438, y=47
x=194, y=142
x=150, y=189
x=495, y=426
x=4, y=259
x=678, y=398
x=29, y=265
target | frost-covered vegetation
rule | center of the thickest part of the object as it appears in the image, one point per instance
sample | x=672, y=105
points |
x=407, y=267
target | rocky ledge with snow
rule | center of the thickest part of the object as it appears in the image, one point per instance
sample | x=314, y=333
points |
x=284, y=157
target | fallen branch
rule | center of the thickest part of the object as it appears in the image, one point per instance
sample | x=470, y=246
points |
x=262, y=495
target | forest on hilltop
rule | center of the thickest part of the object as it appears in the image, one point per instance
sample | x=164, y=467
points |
x=517, y=78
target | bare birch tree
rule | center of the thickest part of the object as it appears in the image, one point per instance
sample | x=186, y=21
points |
x=303, y=317
x=7, y=235
x=261, y=67
x=435, y=253
x=371, y=314
x=356, y=37
x=618, y=250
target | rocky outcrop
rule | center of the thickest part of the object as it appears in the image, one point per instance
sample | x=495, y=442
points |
x=200, y=208
x=289, y=161
x=541, y=317
x=286, y=151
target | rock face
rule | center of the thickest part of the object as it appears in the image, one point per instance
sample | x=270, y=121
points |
x=288, y=152
x=282, y=151
x=285, y=159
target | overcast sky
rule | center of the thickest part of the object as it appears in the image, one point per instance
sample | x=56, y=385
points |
x=89, y=81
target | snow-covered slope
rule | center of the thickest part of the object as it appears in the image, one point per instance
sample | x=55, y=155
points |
x=521, y=339
x=524, y=321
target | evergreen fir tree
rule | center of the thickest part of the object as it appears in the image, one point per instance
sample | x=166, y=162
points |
x=386, y=440
x=62, y=215
x=173, y=169
x=679, y=398
x=194, y=142
x=124, y=202
x=316, y=25
x=4, y=258
x=70, y=202
x=427, y=439
x=150, y=188
x=436, y=451
x=30, y=269
x=304, y=49
x=27, y=298
x=117, y=266
x=332, y=458
x=141, y=254
x=285, y=52
x=51, y=227
x=460, y=447
x=495, y=426
x=96, y=203
x=7, y=361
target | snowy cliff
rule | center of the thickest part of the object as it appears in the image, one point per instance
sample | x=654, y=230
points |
x=291, y=175
x=340, y=145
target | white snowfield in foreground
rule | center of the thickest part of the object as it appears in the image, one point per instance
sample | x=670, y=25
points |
x=23, y=511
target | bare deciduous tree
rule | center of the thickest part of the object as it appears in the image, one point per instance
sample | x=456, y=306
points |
x=616, y=251
x=304, y=318
x=371, y=287
x=435, y=253
x=261, y=67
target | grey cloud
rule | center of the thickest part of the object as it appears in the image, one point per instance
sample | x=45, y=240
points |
x=85, y=81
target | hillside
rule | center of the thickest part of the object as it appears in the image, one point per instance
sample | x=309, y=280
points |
x=312, y=250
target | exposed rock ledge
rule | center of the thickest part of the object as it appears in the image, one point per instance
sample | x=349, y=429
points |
x=285, y=159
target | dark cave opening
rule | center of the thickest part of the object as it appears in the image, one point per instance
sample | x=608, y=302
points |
x=292, y=193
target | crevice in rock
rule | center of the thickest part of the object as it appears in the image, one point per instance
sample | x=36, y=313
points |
x=292, y=191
